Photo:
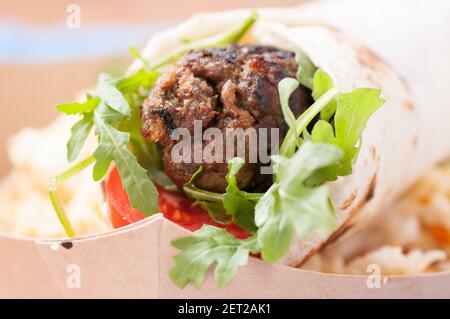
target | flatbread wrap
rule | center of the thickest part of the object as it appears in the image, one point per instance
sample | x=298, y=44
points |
x=354, y=136
x=392, y=135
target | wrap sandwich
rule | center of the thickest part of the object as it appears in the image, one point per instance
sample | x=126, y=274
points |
x=353, y=135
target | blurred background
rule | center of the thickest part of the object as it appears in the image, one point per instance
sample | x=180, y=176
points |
x=51, y=49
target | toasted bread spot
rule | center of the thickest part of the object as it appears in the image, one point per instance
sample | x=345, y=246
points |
x=415, y=140
x=337, y=234
x=371, y=190
x=350, y=200
x=373, y=152
x=408, y=105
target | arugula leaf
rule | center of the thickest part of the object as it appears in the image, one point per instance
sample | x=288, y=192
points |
x=87, y=106
x=291, y=205
x=241, y=210
x=135, y=53
x=216, y=211
x=289, y=143
x=149, y=156
x=80, y=131
x=54, y=197
x=113, y=146
x=351, y=112
x=200, y=194
x=207, y=246
x=286, y=87
x=275, y=232
x=110, y=139
x=323, y=132
x=322, y=83
x=233, y=206
x=106, y=89
x=234, y=166
x=141, y=78
x=235, y=201
x=117, y=125
x=305, y=70
x=210, y=201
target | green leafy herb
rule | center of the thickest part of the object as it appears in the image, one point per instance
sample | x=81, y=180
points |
x=80, y=132
x=87, y=106
x=351, y=113
x=236, y=202
x=305, y=70
x=288, y=206
x=133, y=83
x=134, y=88
x=210, y=201
x=286, y=87
x=291, y=205
x=199, y=194
x=323, y=83
x=207, y=246
x=290, y=141
x=115, y=123
x=106, y=89
x=233, y=206
x=134, y=52
x=216, y=211
x=113, y=146
x=53, y=193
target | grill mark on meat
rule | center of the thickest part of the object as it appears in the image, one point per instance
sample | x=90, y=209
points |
x=166, y=118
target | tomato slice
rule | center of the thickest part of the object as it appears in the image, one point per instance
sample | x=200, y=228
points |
x=174, y=207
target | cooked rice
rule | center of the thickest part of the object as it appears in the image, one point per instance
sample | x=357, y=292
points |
x=36, y=156
x=411, y=237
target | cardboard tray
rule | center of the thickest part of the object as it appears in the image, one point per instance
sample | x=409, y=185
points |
x=133, y=262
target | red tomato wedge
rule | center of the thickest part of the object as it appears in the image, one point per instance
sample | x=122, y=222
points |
x=174, y=207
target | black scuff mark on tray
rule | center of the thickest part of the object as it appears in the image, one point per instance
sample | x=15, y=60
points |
x=67, y=245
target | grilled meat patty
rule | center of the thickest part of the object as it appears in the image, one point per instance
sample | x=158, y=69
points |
x=231, y=87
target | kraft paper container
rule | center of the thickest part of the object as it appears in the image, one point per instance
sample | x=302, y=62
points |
x=134, y=261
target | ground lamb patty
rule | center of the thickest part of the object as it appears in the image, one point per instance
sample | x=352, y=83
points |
x=231, y=87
